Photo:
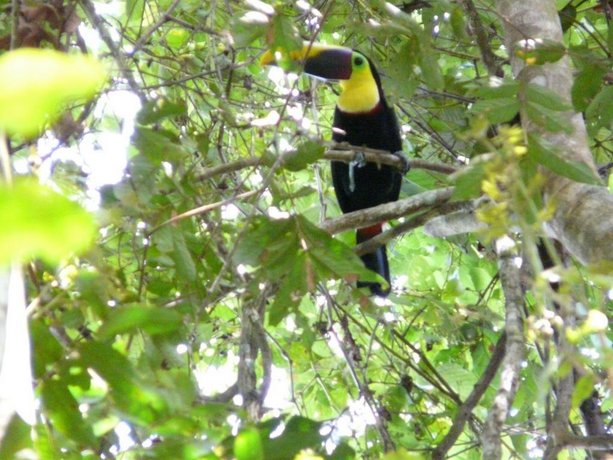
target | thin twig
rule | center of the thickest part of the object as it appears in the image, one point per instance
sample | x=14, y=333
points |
x=165, y=17
x=15, y=9
x=489, y=58
x=465, y=410
x=204, y=209
x=118, y=55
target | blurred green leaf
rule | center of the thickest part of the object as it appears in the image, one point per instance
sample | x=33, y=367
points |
x=468, y=182
x=37, y=84
x=16, y=437
x=159, y=109
x=41, y=223
x=600, y=110
x=586, y=86
x=128, y=319
x=497, y=111
x=551, y=120
x=544, y=155
x=546, y=98
x=299, y=433
x=284, y=34
x=540, y=51
x=248, y=445
x=308, y=152
x=158, y=146
x=64, y=413
x=583, y=389
x=131, y=397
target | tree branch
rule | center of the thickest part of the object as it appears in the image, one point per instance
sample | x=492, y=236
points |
x=387, y=211
x=410, y=223
x=98, y=23
x=336, y=152
x=465, y=410
x=514, y=353
x=489, y=58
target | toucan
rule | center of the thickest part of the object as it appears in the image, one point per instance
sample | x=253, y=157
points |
x=363, y=118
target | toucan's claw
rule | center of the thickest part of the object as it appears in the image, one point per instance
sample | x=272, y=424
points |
x=406, y=164
x=358, y=161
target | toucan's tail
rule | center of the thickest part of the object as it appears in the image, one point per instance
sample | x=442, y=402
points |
x=375, y=261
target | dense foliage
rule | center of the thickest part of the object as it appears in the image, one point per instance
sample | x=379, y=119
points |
x=213, y=317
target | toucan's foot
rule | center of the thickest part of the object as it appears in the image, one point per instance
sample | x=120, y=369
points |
x=406, y=164
x=357, y=162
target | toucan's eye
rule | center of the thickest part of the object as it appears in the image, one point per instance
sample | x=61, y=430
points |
x=358, y=60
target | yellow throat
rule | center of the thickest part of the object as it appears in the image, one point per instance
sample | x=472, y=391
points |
x=360, y=93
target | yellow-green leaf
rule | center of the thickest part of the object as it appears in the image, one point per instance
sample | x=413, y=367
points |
x=36, y=84
x=39, y=222
x=248, y=445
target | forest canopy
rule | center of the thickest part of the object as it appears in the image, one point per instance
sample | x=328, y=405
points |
x=177, y=278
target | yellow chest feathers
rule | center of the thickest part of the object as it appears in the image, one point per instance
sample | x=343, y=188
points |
x=359, y=93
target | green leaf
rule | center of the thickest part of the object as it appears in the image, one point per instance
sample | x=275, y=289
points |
x=177, y=37
x=299, y=433
x=504, y=90
x=285, y=35
x=158, y=109
x=587, y=85
x=249, y=27
x=600, y=111
x=184, y=262
x=271, y=244
x=158, y=146
x=431, y=72
x=546, y=98
x=64, y=413
x=308, y=152
x=545, y=156
x=128, y=394
x=551, y=120
x=48, y=349
x=41, y=223
x=403, y=455
x=401, y=70
x=541, y=51
x=331, y=257
x=37, y=84
x=583, y=389
x=128, y=319
x=497, y=111
x=458, y=24
x=16, y=437
x=248, y=445
x=292, y=289
x=468, y=182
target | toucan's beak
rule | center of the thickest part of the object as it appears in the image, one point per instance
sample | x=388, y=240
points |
x=323, y=61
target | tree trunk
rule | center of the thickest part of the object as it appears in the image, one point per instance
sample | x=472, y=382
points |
x=583, y=221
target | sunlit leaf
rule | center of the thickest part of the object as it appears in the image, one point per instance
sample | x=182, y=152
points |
x=39, y=222
x=248, y=445
x=148, y=319
x=36, y=84
x=583, y=389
